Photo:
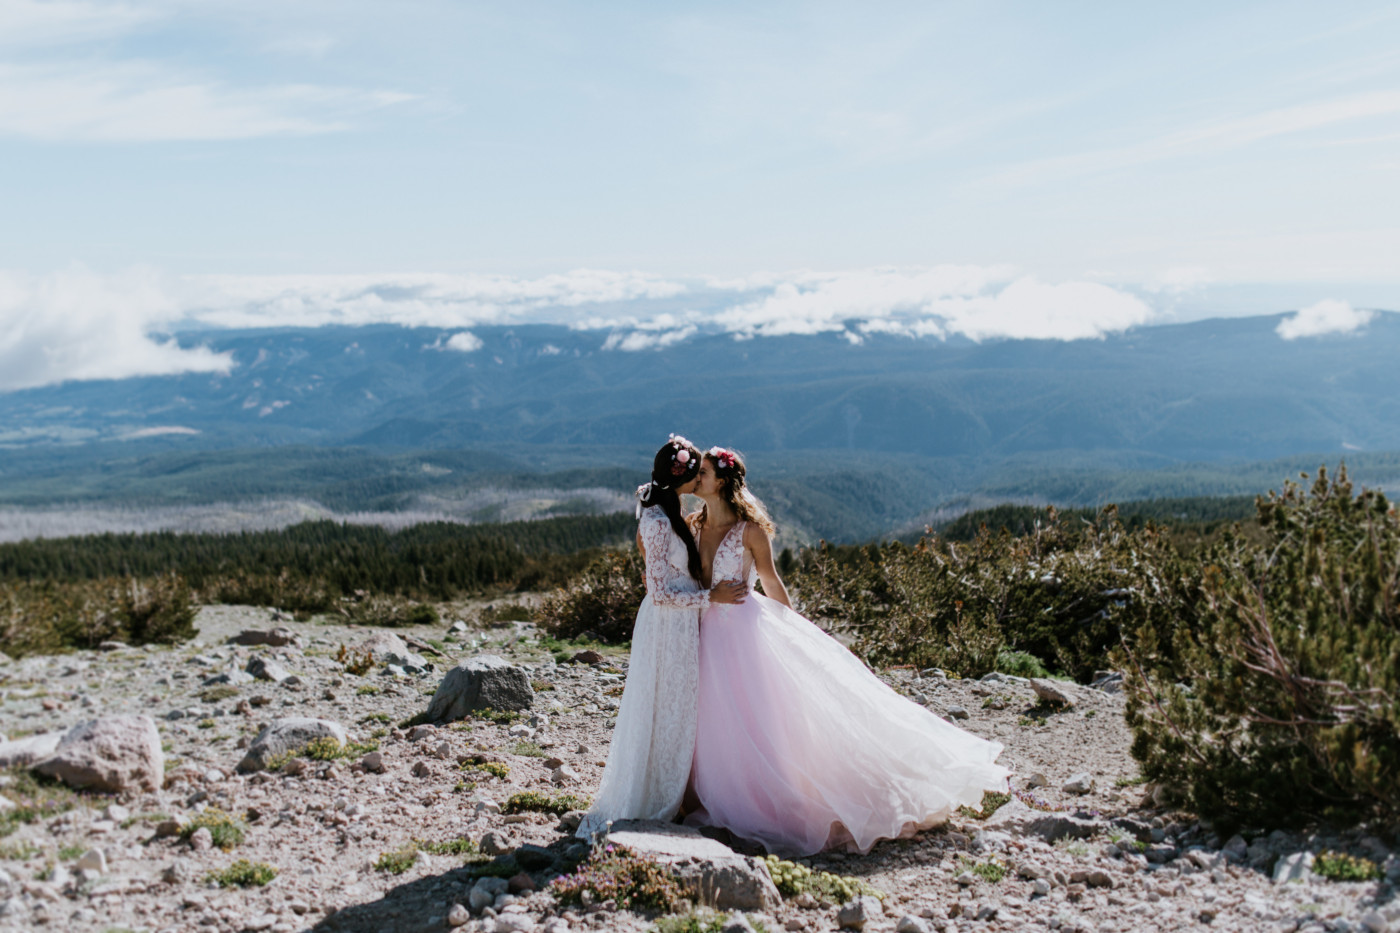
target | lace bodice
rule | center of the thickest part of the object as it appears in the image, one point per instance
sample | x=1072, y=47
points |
x=669, y=582
x=732, y=561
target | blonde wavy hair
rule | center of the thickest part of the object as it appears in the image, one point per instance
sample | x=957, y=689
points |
x=730, y=471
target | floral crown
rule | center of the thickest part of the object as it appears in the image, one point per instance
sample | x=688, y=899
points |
x=680, y=458
x=724, y=457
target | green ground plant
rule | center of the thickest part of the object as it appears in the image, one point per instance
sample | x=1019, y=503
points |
x=34, y=797
x=532, y=801
x=398, y=861
x=794, y=879
x=600, y=603
x=618, y=874
x=243, y=874
x=1339, y=866
x=226, y=831
x=992, y=801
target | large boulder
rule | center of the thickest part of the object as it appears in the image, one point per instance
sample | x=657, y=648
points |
x=715, y=874
x=388, y=648
x=288, y=736
x=113, y=754
x=484, y=682
x=18, y=753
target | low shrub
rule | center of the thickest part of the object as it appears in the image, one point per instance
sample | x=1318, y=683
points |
x=47, y=617
x=398, y=861
x=243, y=874
x=357, y=662
x=600, y=603
x=992, y=801
x=991, y=870
x=617, y=874
x=388, y=612
x=1279, y=699
x=487, y=766
x=226, y=831
x=1339, y=866
x=793, y=880
x=34, y=797
x=530, y=801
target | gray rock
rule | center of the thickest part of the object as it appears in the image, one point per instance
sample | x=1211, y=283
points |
x=494, y=843
x=1040, y=887
x=1036, y=779
x=231, y=675
x=374, y=762
x=1235, y=849
x=533, y=858
x=859, y=911
x=202, y=840
x=1296, y=867
x=912, y=924
x=1051, y=692
x=112, y=754
x=957, y=712
x=563, y=775
x=485, y=682
x=264, y=668
x=19, y=753
x=1082, y=783
x=388, y=648
x=277, y=637
x=287, y=736
x=458, y=916
x=718, y=876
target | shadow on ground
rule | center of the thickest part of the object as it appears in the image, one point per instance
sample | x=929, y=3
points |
x=409, y=908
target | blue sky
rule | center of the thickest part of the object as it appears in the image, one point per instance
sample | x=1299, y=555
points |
x=1172, y=152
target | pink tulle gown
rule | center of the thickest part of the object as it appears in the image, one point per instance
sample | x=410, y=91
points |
x=799, y=747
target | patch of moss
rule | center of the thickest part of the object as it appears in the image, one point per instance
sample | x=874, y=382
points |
x=793, y=880
x=530, y=801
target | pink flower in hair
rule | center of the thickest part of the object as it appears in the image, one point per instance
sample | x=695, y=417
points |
x=683, y=456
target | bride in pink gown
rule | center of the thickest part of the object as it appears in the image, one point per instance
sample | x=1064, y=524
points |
x=799, y=747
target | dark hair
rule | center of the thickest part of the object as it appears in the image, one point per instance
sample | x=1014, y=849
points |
x=668, y=472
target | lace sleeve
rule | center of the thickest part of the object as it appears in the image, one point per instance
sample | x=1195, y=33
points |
x=667, y=585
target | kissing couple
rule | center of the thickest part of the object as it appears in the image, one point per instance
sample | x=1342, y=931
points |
x=741, y=714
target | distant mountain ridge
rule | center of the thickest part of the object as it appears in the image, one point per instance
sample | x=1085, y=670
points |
x=1203, y=391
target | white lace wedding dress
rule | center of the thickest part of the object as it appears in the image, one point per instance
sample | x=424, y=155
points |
x=654, y=740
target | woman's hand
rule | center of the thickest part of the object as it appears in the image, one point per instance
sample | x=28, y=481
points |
x=730, y=592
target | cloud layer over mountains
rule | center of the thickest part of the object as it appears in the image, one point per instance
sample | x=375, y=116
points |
x=78, y=324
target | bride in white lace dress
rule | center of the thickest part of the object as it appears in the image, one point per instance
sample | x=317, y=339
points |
x=653, y=742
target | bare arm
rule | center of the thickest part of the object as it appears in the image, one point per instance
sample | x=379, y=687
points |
x=757, y=541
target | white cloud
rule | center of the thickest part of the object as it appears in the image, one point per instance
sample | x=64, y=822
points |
x=1326, y=317
x=464, y=341
x=140, y=101
x=647, y=339
x=79, y=325
x=76, y=324
x=973, y=301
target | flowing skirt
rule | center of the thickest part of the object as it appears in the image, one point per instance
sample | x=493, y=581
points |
x=799, y=747
x=654, y=739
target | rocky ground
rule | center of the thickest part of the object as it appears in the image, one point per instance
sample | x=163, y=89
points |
x=1082, y=845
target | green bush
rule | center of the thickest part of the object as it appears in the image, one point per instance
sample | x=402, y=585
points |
x=544, y=803
x=244, y=874
x=47, y=617
x=1339, y=866
x=398, y=861
x=1053, y=597
x=617, y=874
x=226, y=831
x=793, y=880
x=1279, y=698
x=600, y=603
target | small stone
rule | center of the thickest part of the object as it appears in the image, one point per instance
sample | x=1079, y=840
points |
x=858, y=912
x=1040, y=887
x=957, y=712
x=264, y=668
x=420, y=732
x=115, y=812
x=966, y=878
x=552, y=763
x=1082, y=783
x=201, y=840
x=444, y=750
x=494, y=843
x=260, y=923
x=421, y=769
x=374, y=762
x=458, y=915
x=93, y=860
x=1052, y=693
x=521, y=883
x=1294, y=868
x=167, y=828
x=1036, y=779
x=911, y=924
x=563, y=775
x=588, y=656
